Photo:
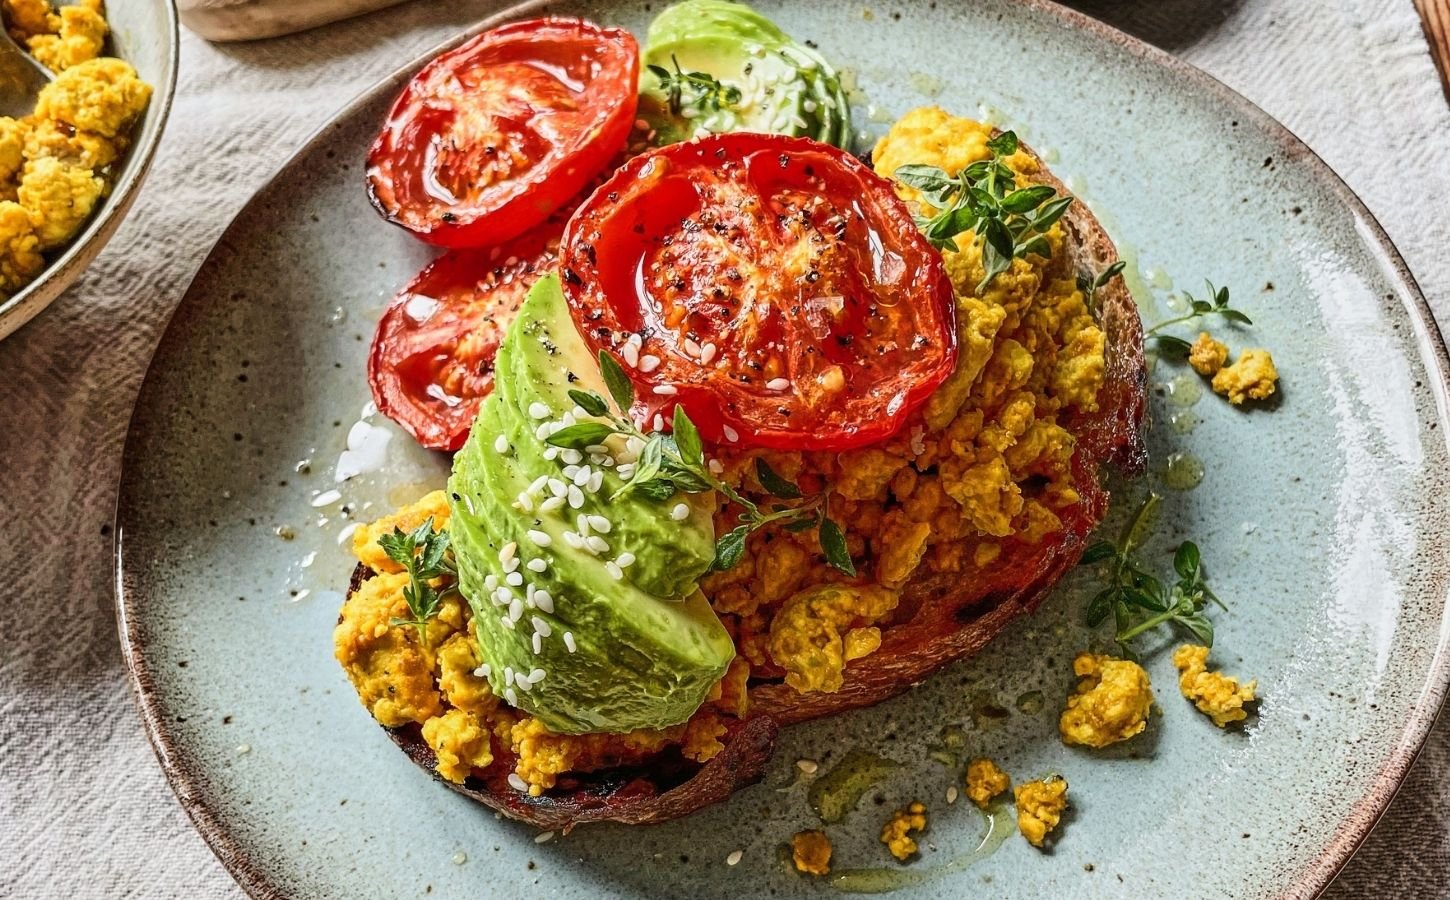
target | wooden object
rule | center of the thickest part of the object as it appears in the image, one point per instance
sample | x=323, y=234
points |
x=245, y=20
x=1435, y=15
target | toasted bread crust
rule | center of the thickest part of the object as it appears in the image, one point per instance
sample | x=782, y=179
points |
x=941, y=622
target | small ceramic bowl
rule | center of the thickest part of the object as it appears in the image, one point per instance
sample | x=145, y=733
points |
x=145, y=35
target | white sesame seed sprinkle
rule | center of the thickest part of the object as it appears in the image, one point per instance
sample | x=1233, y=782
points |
x=570, y=471
x=508, y=676
x=544, y=601
x=557, y=487
x=523, y=683
x=518, y=783
x=716, y=467
x=707, y=354
x=625, y=559
x=572, y=457
x=734, y=858
x=596, y=481
x=513, y=700
x=542, y=432
x=516, y=609
x=596, y=449
x=540, y=538
x=483, y=671
x=576, y=497
x=573, y=540
x=551, y=453
x=626, y=471
x=581, y=524
x=544, y=837
x=514, y=579
x=541, y=626
x=581, y=477
x=569, y=641
x=538, y=410
x=511, y=566
x=596, y=543
x=649, y=362
x=538, y=642
x=536, y=565
x=501, y=444
x=537, y=676
x=507, y=622
x=636, y=340
x=525, y=502
x=952, y=794
x=536, y=487
x=666, y=390
x=659, y=422
x=566, y=420
x=599, y=523
x=614, y=570
x=777, y=384
x=509, y=551
x=490, y=582
x=680, y=513
x=731, y=434
x=692, y=348
x=807, y=766
x=630, y=353
x=551, y=504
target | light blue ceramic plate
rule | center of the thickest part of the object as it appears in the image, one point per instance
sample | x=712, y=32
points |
x=1322, y=519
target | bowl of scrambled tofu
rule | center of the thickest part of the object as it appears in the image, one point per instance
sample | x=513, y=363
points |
x=71, y=167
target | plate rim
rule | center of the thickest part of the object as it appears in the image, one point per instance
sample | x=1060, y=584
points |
x=1309, y=881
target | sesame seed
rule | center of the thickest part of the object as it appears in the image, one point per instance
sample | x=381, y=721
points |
x=596, y=543
x=508, y=676
x=596, y=449
x=576, y=497
x=952, y=794
x=630, y=354
x=777, y=384
x=501, y=444
x=807, y=766
x=544, y=601
x=649, y=362
x=516, y=609
x=538, y=410
x=569, y=641
x=572, y=457
x=537, y=676
x=513, y=700
x=523, y=683
x=626, y=471
x=542, y=432
x=551, y=453
x=614, y=570
x=490, y=583
x=581, y=524
x=507, y=622
x=514, y=579
x=734, y=857
x=544, y=838
x=482, y=671
x=460, y=858
x=599, y=524
x=692, y=348
x=731, y=434
x=625, y=560
x=666, y=390
x=540, y=538
x=716, y=467
x=525, y=502
x=502, y=596
x=636, y=340
x=581, y=477
x=680, y=513
x=707, y=354
x=551, y=504
x=570, y=471
x=566, y=420
x=536, y=487
x=536, y=565
x=511, y=566
x=538, y=641
x=658, y=423
x=557, y=487
x=596, y=481
x=508, y=552
x=573, y=540
x=541, y=626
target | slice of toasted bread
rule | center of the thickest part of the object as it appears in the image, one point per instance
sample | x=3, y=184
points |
x=941, y=623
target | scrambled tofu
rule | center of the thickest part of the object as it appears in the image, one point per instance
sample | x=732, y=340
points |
x=1111, y=703
x=436, y=682
x=896, y=834
x=983, y=470
x=985, y=781
x=1216, y=695
x=1251, y=377
x=56, y=164
x=1040, y=805
x=1207, y=355
x=811, y=852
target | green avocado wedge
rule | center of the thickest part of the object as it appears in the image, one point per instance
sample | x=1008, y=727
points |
x=763, y=80
x=564, y=638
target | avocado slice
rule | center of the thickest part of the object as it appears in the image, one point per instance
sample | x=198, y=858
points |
x=780, y=86
x=643, y=649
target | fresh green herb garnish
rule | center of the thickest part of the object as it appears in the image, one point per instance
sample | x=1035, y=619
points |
x=423, y=553
x=698, y=90
x=1177, y=348
x=676, y=462
x=1138, y=601
x=983, y=198
x=1090, y=286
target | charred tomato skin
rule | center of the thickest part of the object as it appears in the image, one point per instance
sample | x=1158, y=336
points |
x=781, y=291
x=492, y=137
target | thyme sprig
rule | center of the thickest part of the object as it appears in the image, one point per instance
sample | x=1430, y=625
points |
x=1137, y=600
x=675, y=461
x=1090, y=286
x=1176, y=347
x=698, y=90
x=983, y=198
x=423, y=554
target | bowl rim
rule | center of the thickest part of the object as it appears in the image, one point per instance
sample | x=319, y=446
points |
x=31, y=300
x=1309, y=881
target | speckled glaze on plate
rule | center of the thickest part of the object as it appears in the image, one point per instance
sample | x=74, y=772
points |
x=1322, y=518
x=145, y=35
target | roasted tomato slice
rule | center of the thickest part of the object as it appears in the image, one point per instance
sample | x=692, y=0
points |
x=431, y=362
x=775, y=287
x=490, y=138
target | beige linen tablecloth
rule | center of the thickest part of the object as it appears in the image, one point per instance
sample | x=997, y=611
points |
x=84, y=810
